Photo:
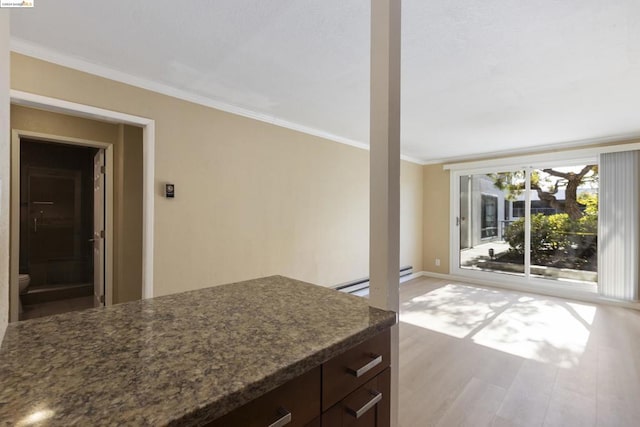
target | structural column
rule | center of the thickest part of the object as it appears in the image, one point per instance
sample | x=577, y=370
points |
x=5, y=173
x=384, y=243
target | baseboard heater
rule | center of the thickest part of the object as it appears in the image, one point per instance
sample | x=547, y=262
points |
x=357, y=287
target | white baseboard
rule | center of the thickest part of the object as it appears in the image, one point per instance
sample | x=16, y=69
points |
x=443, y=276
x=559, y=293
x=412, y=276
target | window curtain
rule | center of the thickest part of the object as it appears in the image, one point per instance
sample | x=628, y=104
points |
x=619, y=224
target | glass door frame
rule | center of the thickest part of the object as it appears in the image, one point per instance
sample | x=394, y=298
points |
x=526, y=281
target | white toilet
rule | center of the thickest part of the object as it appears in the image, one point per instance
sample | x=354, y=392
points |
x=24, y=280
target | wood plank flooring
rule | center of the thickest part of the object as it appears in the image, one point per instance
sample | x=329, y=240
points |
x=478, y=356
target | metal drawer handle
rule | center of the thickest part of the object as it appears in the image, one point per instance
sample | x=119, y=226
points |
x=377, y=397
x=283, y=420
x=377, y=359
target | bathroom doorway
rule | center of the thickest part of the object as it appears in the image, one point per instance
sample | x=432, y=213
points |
x=62, y=217
x=128, y=143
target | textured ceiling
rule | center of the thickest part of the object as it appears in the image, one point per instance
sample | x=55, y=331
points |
x=478, y=77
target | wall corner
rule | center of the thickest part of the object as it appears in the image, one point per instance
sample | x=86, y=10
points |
x=5, y=155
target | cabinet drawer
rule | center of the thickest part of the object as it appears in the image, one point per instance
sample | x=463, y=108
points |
x=350, y=370
x=368, y=406
x=300, y=397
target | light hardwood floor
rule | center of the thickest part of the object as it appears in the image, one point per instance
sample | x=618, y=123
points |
x=478, y=356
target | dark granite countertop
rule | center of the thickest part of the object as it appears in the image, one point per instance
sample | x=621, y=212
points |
x=180, y=359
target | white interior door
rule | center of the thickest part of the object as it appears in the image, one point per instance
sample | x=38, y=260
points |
x=98, y=228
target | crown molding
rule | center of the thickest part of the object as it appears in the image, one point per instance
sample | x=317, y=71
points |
x=34, y=50
x=543, y=148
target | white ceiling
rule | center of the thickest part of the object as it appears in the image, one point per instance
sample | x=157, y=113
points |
x=478, y=77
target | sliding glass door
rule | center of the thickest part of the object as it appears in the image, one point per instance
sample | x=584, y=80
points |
x=564, y=223
x=485, y=218
x=534, y=222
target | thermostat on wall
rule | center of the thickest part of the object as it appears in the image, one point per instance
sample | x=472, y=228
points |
x=169, y=191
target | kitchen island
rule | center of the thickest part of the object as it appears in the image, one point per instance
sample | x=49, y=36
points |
x=184, y=359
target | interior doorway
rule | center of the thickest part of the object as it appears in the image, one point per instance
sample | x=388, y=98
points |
x=143, y=282
x=62, y=230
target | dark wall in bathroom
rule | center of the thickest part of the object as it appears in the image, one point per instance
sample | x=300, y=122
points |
x=59, y=250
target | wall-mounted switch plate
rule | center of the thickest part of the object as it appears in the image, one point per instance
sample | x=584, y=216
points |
x=169, y=191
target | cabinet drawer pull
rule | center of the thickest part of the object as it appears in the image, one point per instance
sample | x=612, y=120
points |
x=377, y=397
x=377, y=359
x=283, y=420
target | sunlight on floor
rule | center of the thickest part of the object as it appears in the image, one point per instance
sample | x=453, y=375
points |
x=539, y=328
x=455, y=310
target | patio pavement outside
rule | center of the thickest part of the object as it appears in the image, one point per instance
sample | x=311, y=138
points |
x=467, y=256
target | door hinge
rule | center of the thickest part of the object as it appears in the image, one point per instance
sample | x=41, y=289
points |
x=102, y=234
x=102, y=299
x=103, y=170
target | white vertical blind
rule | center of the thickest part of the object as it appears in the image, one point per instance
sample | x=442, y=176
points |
x=619, y=224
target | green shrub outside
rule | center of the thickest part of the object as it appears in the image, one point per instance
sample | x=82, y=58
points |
x=556, y=240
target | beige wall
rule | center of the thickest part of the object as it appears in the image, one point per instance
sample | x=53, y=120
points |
x=128, y=217
x=252, y=199
x=436, y=218
x=5, y=155
x=411, y=215
x=127, y=142
x=33, y=120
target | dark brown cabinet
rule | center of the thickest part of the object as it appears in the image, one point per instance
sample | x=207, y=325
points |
x=352, y=389
x=356, y=385
x=294, y=404
x=368, y=406
x=315, y=423
x=345, y=373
